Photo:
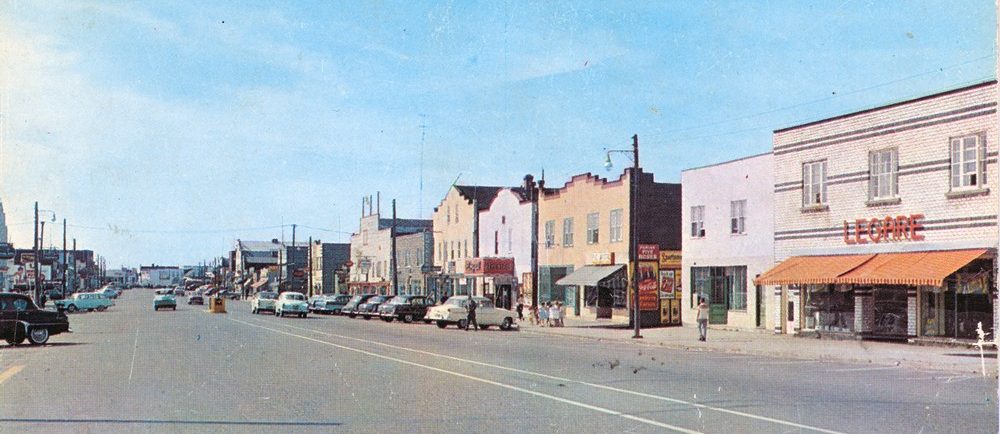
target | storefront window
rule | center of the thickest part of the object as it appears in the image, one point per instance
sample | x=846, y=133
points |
x=721, y=286
x=956, y=309
x=828, y=308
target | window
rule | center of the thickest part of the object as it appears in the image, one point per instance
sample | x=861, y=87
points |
x=465, y=248
x=723, y=286
x=456, y=213
x=697, y=221
x=496, y=242
x=451, y=249
x=448, y=214
x=814, y=183
x=615, y=231
x=568, y=232
x=593, y=220
x=883, y=173
x=738, y=209
x=550, y=234
x=968, y=162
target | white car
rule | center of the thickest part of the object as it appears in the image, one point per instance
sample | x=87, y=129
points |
x=263, y=301
x=291, y=302
x=453, y=311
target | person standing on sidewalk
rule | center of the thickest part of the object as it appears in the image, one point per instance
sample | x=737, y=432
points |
x=702, y=319
x=554, y=314
x=470, y=321
x=520, y=309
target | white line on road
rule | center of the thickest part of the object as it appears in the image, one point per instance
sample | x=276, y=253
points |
x=879, y=368
x=10, y=372
x=135, y=348
x=483, y=380
x=788, y=362
x=567, y=380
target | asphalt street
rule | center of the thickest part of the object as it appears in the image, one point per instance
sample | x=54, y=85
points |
x=134, y=370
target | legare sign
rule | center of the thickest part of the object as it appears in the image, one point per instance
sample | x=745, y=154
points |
x=888, y=229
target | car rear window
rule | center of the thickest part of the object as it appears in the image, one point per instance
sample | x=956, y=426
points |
x=268, y=295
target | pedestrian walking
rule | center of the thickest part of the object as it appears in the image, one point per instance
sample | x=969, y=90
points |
x=543, y=315
x=520, y=309
x=554, y=316
x=702, y=319
x=470, y=320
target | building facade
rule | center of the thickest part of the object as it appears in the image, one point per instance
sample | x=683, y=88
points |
x=415, y=256
x=456, y=236
x=293, y=267
x=160, y=275
x=371, y=250
x=505, y=237
x=328, y=263
x=886, y=220
x=728, y=240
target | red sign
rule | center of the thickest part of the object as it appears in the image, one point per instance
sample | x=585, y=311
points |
x=489, y=266
x=888, y=229
x=349, y=263
x=648, y=252
x=298, y=273
x=649, y=291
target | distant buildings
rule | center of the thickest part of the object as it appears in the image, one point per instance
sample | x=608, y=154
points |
x=328, y=263
x=160, y=275
x=371, y=248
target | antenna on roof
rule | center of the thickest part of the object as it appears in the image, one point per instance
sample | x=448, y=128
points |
x=456, y=179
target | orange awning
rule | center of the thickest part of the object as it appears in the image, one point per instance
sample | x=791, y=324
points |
x=803, y=270
x=911, y=268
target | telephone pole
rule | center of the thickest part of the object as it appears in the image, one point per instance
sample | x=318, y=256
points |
x=310, y=252
x=392, y=260
x=65, y=261
x=38, y=283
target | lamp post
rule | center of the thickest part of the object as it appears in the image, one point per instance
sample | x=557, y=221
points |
x=633, y=236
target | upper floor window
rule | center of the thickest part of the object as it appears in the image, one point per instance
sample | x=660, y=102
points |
x=568, y=232
x=697, y=221
x=738, y=209
x=814, y=183
x=447, y=214
x=968, y=162
x=496, y=242
x=550, y=234
x=593, y=220
x=456, y=213
x=615, y=229
x=883, y=174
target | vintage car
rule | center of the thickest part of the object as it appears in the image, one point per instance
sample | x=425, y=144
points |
x=20, y=319
x=332, y=304
x=453, y=311
x=196, y=299
x=406, y=308
x=109, y=292
x=89, y=301
x=164, y=301
x=291, y=302
x=352, y=305
x=369, y=308
x=263, y=301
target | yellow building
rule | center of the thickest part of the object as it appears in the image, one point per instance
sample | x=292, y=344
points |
x=456, y=238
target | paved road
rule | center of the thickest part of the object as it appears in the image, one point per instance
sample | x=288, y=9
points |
x=133, y=370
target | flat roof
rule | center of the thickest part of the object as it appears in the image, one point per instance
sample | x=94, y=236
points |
x=727, y=162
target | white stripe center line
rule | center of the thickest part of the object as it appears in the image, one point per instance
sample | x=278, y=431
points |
x=135, y=348
x=560, y=379
x=483, y=380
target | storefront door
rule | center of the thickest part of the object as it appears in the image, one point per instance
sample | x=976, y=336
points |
x=890, y=311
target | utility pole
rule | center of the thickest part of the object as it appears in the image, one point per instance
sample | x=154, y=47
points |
x=634, y=248
x=65, y=264
x=76, y=277
x=38, y=283
x=310, y=252
x=534, y=192
x=288, y=256
x=392, y=258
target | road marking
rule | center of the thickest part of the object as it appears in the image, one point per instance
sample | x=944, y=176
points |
x=135, y=348
x=483, y=380
x=788, y=362
x=567, y=380
x=10, y=372
x=880, y=368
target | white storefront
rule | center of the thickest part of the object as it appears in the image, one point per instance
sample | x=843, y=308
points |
x=886, y=219
x=728, y=240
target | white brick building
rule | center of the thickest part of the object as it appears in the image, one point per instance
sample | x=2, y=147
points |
x=728, y=239
x=886, y=219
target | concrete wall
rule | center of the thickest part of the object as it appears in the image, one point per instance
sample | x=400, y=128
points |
x=505, y=230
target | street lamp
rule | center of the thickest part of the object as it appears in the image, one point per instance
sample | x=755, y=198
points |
x=633, y=237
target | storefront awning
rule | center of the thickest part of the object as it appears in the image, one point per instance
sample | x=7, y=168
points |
x=911, y=268
x=804, y=270
x=589, y=275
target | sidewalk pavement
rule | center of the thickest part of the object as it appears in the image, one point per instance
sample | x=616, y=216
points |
x=762, y=343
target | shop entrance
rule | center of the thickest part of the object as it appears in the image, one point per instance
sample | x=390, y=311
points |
x=504, y=296
x=890, y=311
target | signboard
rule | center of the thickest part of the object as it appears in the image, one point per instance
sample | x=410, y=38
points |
x=883, y=230
x=602, y=258
x=298, y=273
x=648, y=252
x=489, y=266
x=667, y=284
x=649, y=297
x=670, y=259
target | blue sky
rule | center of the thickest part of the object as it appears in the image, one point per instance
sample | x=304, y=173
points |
x=165, y=130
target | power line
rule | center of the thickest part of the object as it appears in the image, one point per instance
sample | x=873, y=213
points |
x=116, y=229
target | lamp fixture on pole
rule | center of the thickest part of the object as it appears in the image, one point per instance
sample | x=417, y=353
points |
x=633, y=247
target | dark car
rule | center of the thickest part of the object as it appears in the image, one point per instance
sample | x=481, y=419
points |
x=20, y=319
x=54, y=294
x=369, y=308
x=407, y=308
x=352, y=306
x=232, y=295
x=196, y=299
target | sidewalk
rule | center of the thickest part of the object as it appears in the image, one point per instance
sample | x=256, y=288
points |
x=957, y=360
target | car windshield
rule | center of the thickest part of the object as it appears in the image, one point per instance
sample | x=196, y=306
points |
x=267, y=295
x=294, y=296
x=399, y=300
x=457, y=301
x=376, y=299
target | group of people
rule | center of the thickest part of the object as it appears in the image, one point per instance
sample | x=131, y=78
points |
x=548, y=314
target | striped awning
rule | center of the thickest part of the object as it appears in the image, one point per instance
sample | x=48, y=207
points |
x=806, y=270
x=911, y=268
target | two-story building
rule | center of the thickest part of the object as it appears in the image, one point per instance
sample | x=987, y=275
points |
x=415, y=259
x=886, y=220
x=505, y=237
x=728, y=240
x=456, y=236
x=371, y=249
x=328, y=264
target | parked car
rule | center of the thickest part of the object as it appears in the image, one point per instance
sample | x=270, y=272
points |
x=369, y=308
x=88, y=301
x=454, y=311
x=352, y=305
x=329, y=304
x=165, y=301
x=291, y=302
x=407, y=308
x=179, y=292
x=164, y=291
x=263, y=301
x=54, y=294
x=109, y=292
x=20, y=319
x=196, y=299
x=232, y=295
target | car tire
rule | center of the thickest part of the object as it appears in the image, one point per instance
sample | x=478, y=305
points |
x=156, y=308
x=102, y=308
x=408, y=318
x=484, y=326
x=253, y=311
x=462, y=323
x=387, y=318
x=367, y=317
x=351, y=315
x=427, y=321
x=506, y=324
x=442, y=324
x=174, y=308
x=71, y=308
x=38, y=335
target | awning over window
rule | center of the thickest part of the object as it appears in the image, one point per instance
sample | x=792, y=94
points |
x=804, y=270
x=589, y=275
x=911, y=268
